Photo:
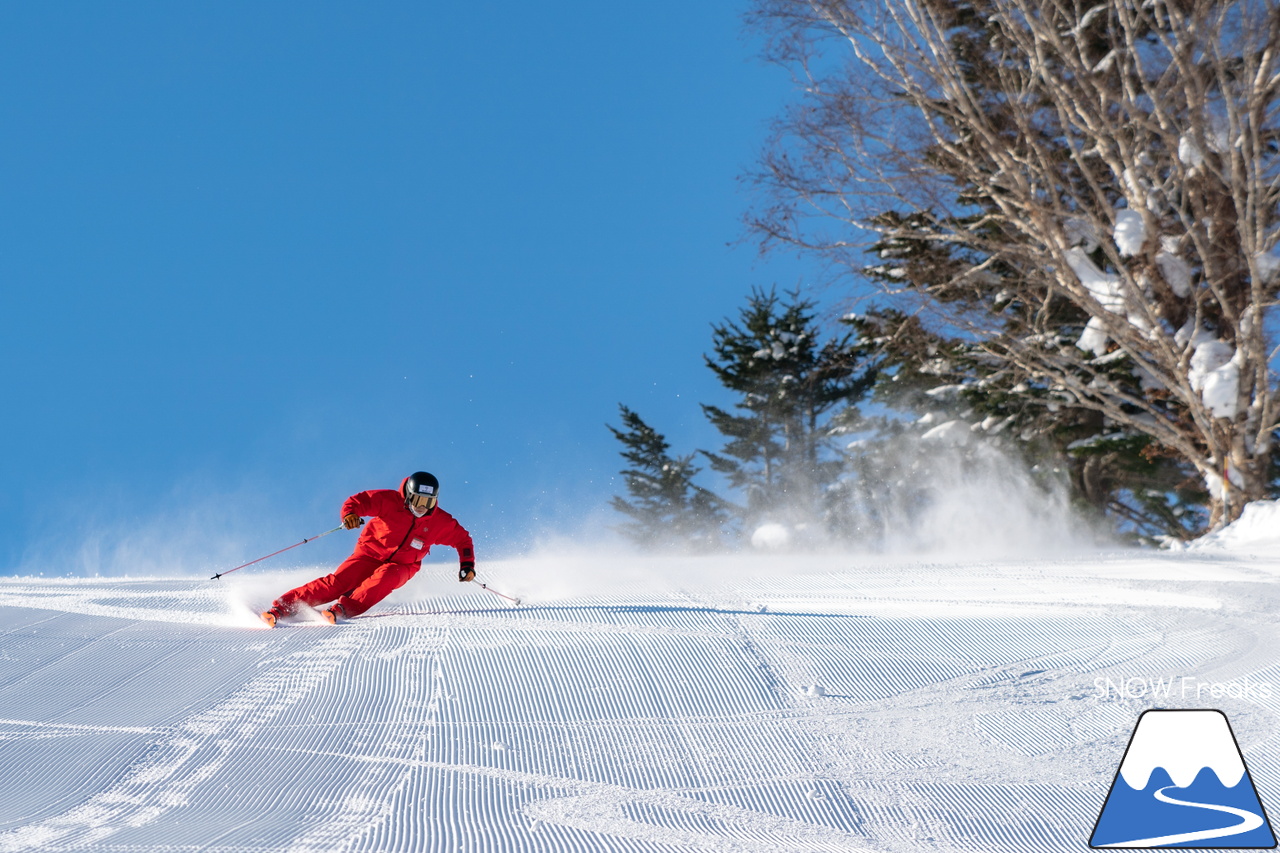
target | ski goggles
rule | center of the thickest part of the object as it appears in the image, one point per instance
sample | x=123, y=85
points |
x=420, y=505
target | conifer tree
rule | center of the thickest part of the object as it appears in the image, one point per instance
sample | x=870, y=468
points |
x=796, y=395
x=666, y=508
x=1111, y=472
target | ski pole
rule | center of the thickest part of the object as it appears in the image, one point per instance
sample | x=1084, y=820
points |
x=516, y=601
x=273, y=553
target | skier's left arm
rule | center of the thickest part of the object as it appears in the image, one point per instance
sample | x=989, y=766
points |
x=460, y=539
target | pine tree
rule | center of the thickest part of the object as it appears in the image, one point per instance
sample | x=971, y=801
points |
x=795, y=396
x=1111, y=471
x=667, y=509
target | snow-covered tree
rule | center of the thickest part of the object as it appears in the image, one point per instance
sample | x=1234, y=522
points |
x=1080, y=199
x=796, y=395
x=667, y=509
x=1147, y=493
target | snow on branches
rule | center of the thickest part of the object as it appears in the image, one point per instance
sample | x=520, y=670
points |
x=1089, y=196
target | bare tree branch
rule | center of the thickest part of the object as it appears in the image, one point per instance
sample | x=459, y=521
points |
x=1092, y=195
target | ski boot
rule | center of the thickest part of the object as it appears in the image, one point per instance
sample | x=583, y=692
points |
x=272, y=616
x=333, y=614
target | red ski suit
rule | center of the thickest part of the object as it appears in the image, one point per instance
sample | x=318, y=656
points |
x=389, y=552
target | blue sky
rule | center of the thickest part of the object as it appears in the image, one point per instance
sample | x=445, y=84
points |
x=258, y=256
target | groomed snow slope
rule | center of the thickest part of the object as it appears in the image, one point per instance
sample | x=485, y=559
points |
x=745, y=704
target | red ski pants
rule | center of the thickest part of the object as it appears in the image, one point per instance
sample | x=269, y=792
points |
x=358, y=584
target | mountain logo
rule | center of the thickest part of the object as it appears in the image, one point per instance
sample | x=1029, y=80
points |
x=1183, y=783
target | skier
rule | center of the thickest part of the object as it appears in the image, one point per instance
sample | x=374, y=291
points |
x=390, y=550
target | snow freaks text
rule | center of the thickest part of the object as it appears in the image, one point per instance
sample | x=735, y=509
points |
x=1180, y=687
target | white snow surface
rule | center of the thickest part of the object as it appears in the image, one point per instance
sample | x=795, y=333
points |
x=1214, y=371
x=1104, y=287
x=1130, y=232
x=1176, y=272
x=737, y=703
x=771, y=536
x=1190, y=153
x=1256, y=531
x=950, y=432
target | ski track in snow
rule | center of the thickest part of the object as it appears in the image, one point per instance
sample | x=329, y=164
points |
x=817, y=707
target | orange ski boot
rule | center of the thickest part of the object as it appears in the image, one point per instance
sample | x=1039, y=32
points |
x=272, y=616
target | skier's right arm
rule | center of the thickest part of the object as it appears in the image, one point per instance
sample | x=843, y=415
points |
x=353, y=508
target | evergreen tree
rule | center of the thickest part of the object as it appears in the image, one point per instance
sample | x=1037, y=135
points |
x=667, y=509
x=1111, y=471
x=796, y=395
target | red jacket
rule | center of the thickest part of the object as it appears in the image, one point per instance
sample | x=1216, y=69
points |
x=394, y=535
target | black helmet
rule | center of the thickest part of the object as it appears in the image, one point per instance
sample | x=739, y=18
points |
x=421, y=493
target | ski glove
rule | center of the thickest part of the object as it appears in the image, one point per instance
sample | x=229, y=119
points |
x=467, y=571
x=352, y=521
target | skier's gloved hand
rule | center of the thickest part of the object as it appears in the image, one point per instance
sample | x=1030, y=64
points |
x=352, y=521
x=467, y=571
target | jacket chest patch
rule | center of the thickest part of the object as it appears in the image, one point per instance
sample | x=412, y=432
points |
x=416, y=544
